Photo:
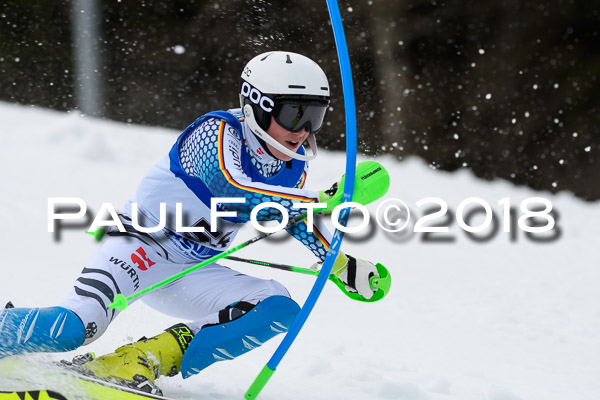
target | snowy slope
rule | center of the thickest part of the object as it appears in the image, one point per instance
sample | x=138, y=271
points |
x=501, y=320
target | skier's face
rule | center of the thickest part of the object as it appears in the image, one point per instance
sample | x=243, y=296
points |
x=291, y=140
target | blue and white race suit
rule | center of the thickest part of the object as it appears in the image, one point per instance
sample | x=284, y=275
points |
x=215, y=157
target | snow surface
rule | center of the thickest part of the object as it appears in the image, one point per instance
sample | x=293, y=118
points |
x=499, y=320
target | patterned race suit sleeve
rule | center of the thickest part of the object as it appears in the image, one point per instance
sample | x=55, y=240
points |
x=212, y=153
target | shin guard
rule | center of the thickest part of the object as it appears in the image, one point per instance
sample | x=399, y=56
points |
x=52, y=329
x=272, y=316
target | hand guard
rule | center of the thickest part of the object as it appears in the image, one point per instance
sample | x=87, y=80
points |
x=371, y=183
x=356, y=274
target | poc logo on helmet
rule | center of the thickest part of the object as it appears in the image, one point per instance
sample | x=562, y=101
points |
x=257, y=97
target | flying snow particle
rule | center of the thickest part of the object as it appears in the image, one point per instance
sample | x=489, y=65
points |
x=179, y=49
x=481, y=51
x=588, y=149
x=488, y=96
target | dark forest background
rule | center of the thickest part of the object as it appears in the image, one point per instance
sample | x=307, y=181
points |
x=509, y=89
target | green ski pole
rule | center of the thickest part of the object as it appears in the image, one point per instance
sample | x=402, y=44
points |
x=121, y=302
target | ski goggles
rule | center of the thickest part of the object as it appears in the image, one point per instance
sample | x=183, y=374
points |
x=296, y=116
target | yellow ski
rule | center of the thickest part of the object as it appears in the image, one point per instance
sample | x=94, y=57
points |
x=34, y=377
x=32, y=395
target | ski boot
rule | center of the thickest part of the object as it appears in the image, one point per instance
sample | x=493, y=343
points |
x=139, y=364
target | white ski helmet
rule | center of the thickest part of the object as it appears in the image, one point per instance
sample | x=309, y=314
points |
x=289, y=87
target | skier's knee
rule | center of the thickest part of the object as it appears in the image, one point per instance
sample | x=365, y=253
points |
x=263, y=289
x=277, y=289
x=94, y=317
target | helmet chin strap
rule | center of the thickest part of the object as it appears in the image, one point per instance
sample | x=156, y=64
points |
x=311, y=152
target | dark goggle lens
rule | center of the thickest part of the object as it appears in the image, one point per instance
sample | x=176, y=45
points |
x=296, y=117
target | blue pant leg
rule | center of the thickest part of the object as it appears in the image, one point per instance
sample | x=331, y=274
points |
x=51, y=329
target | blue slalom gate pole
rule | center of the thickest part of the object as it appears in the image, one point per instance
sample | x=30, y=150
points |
x=350, y=114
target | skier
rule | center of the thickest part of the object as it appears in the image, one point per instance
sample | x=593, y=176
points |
x=255, y=153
